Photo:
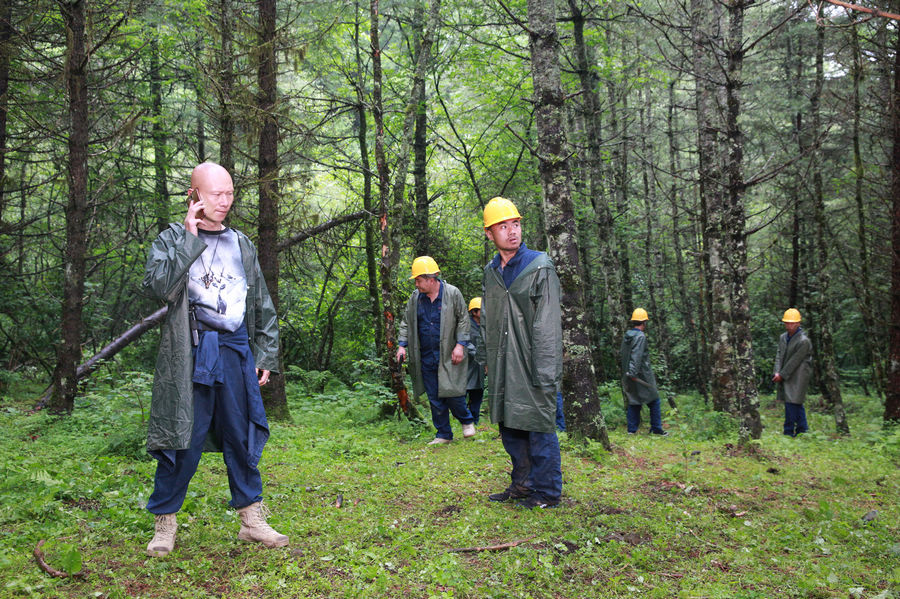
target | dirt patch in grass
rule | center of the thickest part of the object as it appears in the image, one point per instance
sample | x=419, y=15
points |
x=83, y=503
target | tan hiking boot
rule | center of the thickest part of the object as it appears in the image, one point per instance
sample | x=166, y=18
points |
x=255, y=529
x=164, y=539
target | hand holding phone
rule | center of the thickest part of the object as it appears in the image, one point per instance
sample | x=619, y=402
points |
x=195, y=214
x=195, y=197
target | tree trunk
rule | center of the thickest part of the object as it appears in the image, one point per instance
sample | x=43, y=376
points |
x=200, y=127
x=654, y=257
x=892, y=392
x=420, y=149
x=710, y=187
x=69, y=350
x=6, y=51
x=226, y=85
x=363, y=137
x=686, y=307
x=864, y=289
x=821, y=306
x=583, y=413
x=736, y=237
x=158, y=133
x=391, y=203
x=619, y=167
x=274, y=396
x=593, y=159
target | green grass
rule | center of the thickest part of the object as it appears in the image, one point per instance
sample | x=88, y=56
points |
x=684, y=516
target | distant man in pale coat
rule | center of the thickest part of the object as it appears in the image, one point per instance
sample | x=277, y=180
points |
x=793, y=368
x=434, y=334
x=638, y=380
x=521, y=326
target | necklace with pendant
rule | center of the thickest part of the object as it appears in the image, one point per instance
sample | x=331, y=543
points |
x=208, y=278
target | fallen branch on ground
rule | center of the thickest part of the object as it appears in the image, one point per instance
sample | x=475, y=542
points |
x=500, y=547
x=39, y=557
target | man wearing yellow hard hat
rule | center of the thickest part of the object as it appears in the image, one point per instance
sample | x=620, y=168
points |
x=434, y=334
x=475, y=382
x=793, y=368
x=522, y=330
x=638, y=380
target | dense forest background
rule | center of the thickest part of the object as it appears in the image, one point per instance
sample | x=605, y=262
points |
x=713, y=162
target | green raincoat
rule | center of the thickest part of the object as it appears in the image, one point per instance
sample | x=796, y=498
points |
x=521, y=330
x=794, y=362
x=166, y=279
x=454, y=329
x=635, y=359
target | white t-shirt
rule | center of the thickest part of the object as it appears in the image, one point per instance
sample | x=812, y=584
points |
x=217, y=285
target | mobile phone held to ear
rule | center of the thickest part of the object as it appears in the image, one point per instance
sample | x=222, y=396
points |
x=195, y=197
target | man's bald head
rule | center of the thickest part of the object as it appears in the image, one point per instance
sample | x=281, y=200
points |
x=206, y=171
x=215, y=193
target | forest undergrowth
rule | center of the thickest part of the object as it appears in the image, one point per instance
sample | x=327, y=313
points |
x=372, y=511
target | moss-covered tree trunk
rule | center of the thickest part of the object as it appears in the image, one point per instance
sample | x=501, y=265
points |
x=583, y=413
x=704, y=22
x=747, y=400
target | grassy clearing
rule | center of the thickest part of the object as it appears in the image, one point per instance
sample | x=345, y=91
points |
x=682, y=516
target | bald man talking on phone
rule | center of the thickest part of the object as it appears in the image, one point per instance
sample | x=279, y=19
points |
x=217, y=347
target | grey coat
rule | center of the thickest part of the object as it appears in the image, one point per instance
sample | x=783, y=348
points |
x=794, y=362
x=522, y=332
x=635, y=360
x=171, y=419
x=475, y=379
x=454, y=328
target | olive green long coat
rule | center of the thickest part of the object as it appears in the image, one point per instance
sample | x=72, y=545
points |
x=522, y=338
x=794, y=362
x=454, y=328
x=634, y=357
x=166, y=278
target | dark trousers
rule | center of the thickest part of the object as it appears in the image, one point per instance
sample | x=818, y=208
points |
x=536, y=463
x=222, y=408
x=560, y=417
x=476, y=396
x=441, y=407
x=794, y=419
x=633, y=417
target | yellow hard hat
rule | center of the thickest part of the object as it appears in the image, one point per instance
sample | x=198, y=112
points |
x=424, y=265
x=639, y=315
x=791, y=315
x=498, y=210
x=475, y=303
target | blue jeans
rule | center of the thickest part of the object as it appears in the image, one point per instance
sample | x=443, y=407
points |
x=476, y=396
x=536, y=463
x=441, y=407
x=224, y=409
x=560, y=417
x=633, y=416
x=794, y=419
